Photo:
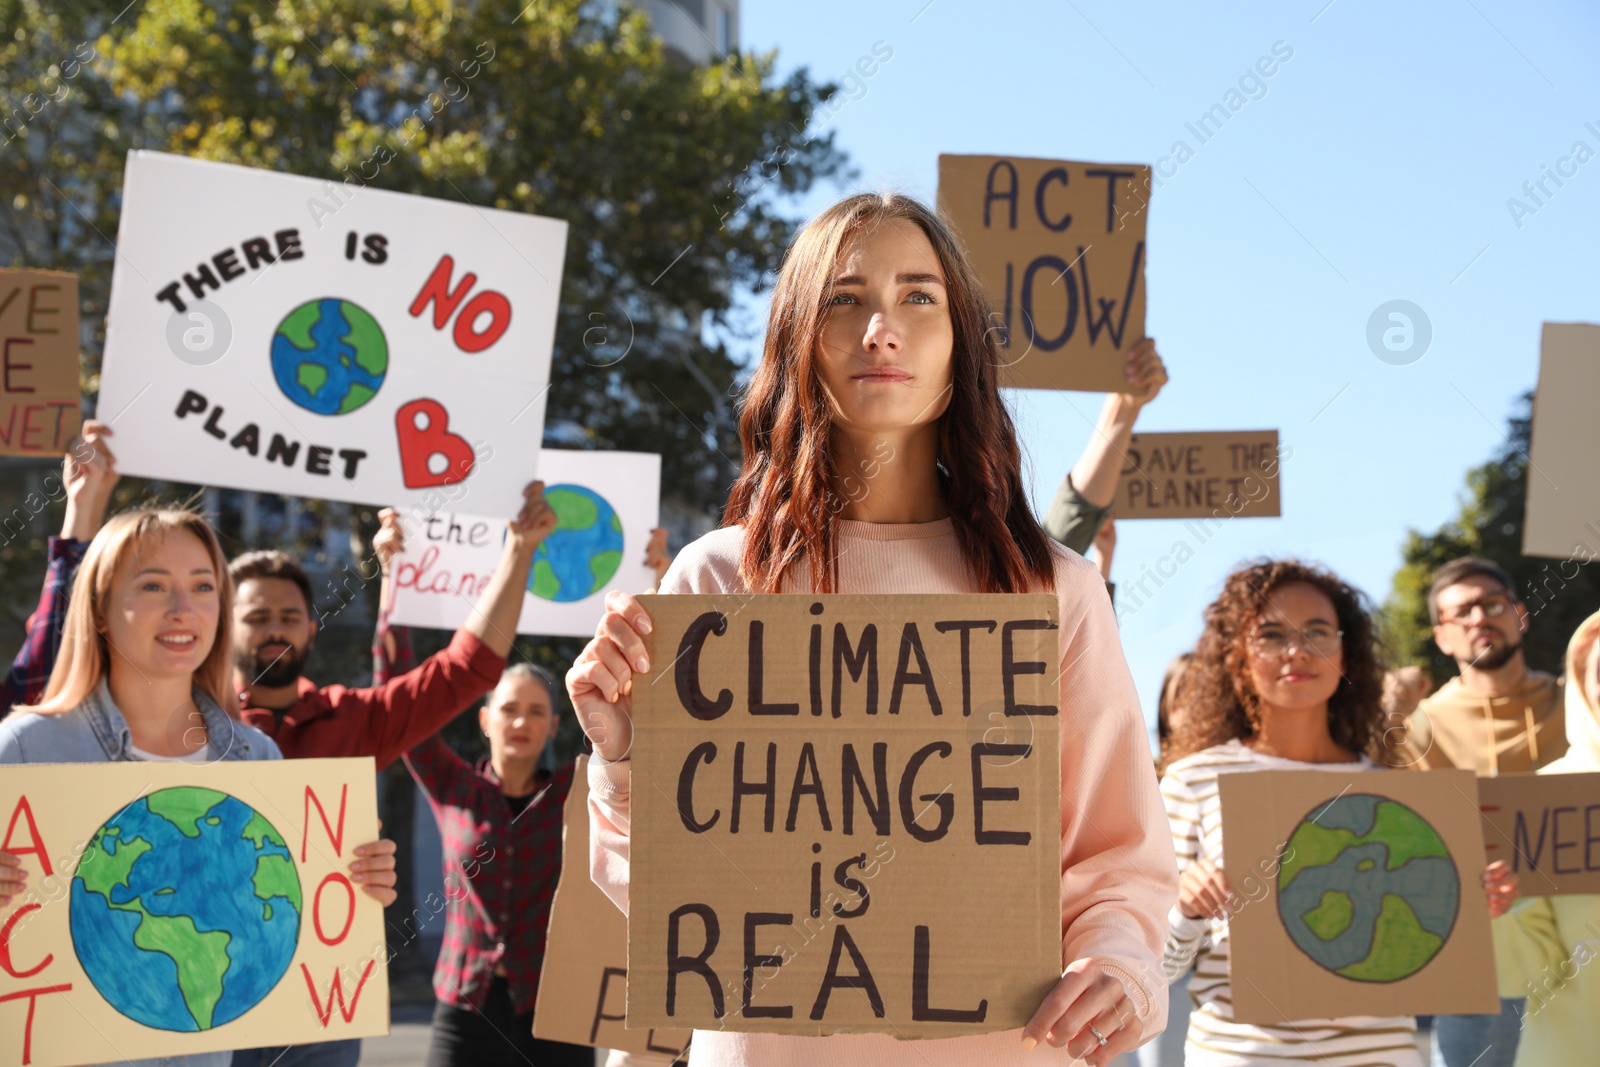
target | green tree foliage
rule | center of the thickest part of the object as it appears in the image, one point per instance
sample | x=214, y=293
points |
x=673, y=177
x=1559, y=594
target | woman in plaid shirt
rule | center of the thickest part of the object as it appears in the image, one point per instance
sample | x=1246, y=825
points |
x=497, y=912
x=500, y=824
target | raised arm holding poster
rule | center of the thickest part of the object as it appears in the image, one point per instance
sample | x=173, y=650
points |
x=176, y=908
x=1060, y=249
x=277, y=333
x=847, y=814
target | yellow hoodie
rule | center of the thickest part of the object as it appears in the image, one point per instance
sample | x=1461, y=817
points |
x=1561, y=935
x=1489, y=735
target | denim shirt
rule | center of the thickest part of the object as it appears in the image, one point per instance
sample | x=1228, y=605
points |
x=96, y=732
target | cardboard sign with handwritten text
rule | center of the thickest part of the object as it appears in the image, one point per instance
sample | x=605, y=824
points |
x=583, y=983
x=1547, y=826
x=40, y=411
x=846, y=814
x=1234, y=473
x=174, y=909
x=1060, y=249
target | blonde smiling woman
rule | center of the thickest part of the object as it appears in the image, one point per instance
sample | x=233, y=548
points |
x=143, y=675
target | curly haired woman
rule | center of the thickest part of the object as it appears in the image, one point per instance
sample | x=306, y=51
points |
x=1286, y=676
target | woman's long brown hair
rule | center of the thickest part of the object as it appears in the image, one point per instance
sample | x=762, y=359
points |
x=785, y=497
x=1219, y=700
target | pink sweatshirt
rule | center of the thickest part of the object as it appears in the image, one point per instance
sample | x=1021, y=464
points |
x=1119, y=877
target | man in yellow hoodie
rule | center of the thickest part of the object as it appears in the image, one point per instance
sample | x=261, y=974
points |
x=1563, y=933
x=1496, y=716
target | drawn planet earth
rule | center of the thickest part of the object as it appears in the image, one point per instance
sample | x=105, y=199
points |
x=1368, y=888
x=584, y=551
x=185, y=909
x=329, y=356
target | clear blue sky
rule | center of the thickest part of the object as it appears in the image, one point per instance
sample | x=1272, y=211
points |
x=1376, y=167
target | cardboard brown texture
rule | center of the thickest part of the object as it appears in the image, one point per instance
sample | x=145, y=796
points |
x=40, y=410
x=1562, y=518
x=1230, y=474
x=174, y=908
x=1377, y=873
x=582, y=985
x=891, y=862
x=1060, y=249
x=1547, y=826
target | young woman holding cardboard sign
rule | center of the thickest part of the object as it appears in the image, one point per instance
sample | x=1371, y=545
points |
x=143, y=674
x=1286, y=677
x=879, y=458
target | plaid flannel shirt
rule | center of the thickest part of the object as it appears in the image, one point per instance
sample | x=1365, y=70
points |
x=30, y=671
x=500, y=872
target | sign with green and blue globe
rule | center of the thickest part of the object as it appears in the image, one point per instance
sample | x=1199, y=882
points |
x=584, y=551
x=175, y=908
x=301, y=337
x=1355, y=893
x=606, y=504
x=1368, y=889
x=329, y=356
x=157, y=919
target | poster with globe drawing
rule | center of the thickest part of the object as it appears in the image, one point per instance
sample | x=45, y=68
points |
x=319, y=338
x=606, y=503
x=1358, y=894
x=173, y=909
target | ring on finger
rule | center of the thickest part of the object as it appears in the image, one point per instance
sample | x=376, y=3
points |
x=1105, y=1026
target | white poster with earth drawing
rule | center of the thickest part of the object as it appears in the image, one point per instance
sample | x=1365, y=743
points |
x=288, y=335
x=606, y=503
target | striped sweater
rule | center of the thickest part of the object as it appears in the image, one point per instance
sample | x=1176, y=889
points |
x=1194, y=808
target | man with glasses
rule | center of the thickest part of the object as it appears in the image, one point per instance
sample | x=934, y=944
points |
x=1496, y=716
